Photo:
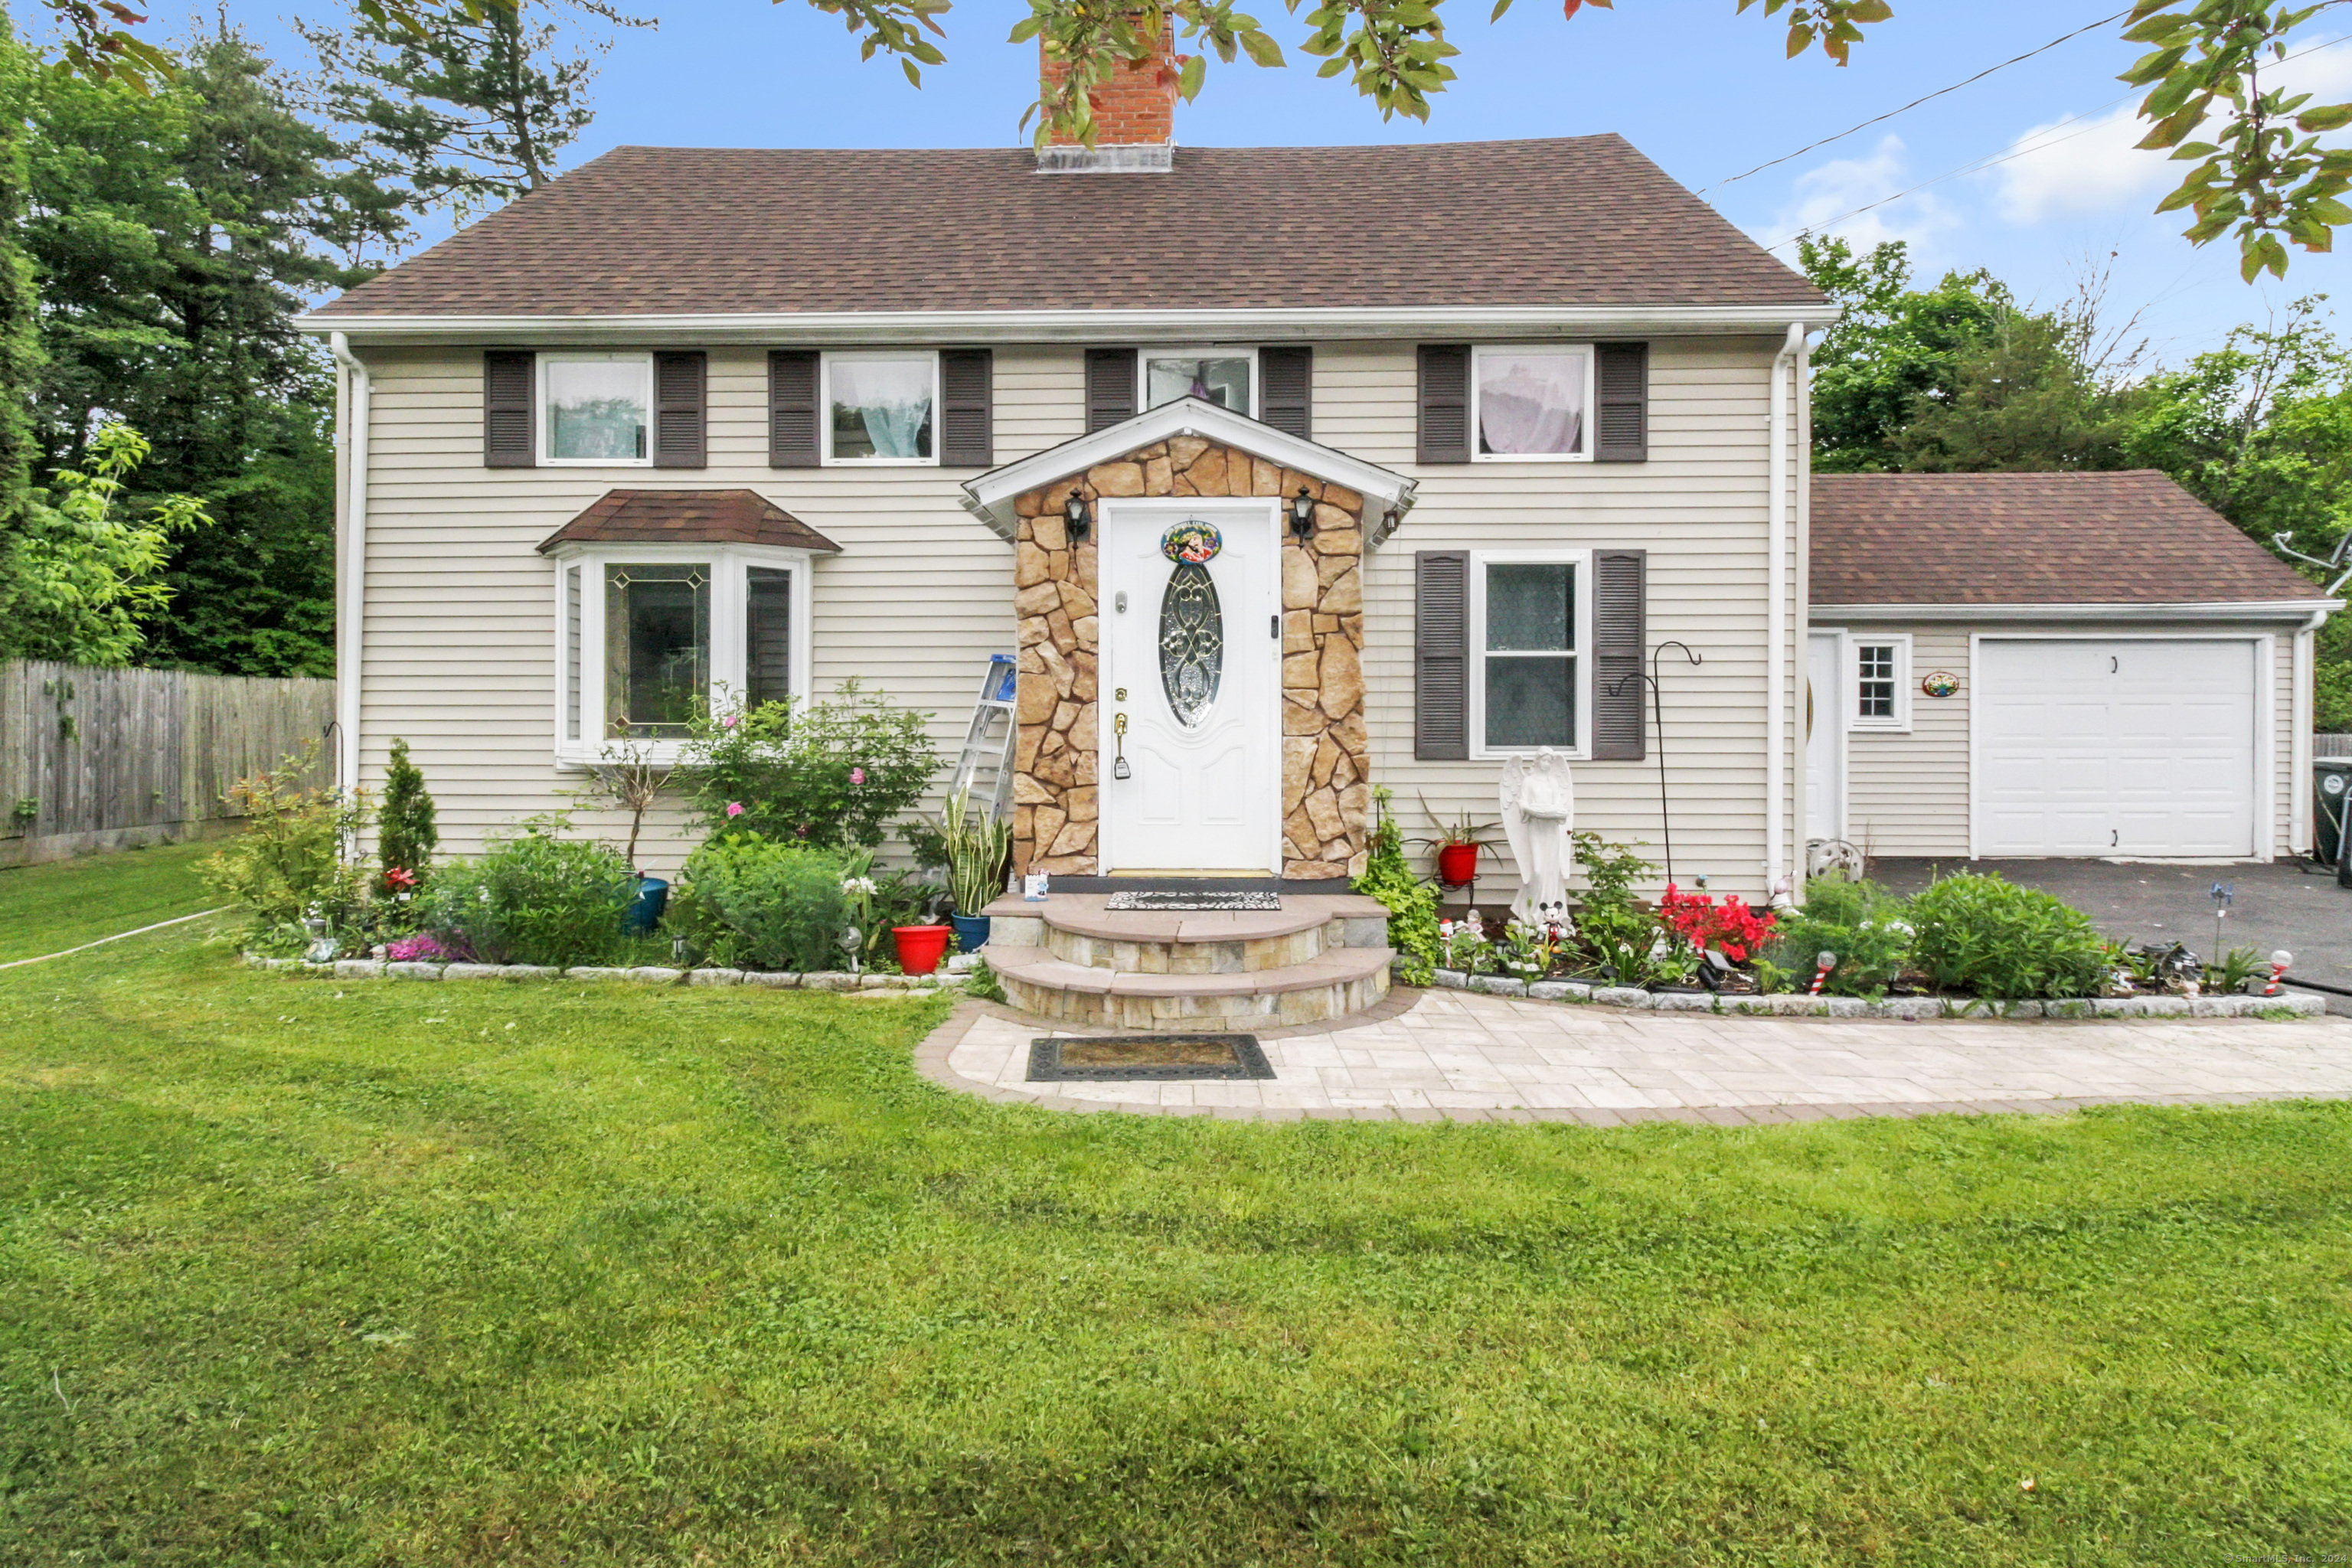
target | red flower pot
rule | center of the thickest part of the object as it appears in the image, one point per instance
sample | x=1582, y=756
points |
x=1457, y=864
x=920, y=948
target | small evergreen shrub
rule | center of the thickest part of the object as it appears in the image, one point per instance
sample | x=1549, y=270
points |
x=1411, y=903
x=1982, y=936
x=533, y=898
x=748, y=904
x=1861, y=922
x=405, y=834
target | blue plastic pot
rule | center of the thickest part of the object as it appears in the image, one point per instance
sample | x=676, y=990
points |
x=644, y=912
x=972, y=932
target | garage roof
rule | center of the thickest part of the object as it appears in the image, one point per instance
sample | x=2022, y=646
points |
x=2133, y=537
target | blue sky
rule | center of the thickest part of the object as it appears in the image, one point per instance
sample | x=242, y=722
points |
x=1703, y=90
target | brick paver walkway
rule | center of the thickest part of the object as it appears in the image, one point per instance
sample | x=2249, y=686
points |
x=1465, y=1056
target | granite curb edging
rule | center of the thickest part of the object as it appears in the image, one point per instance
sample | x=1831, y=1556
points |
x=1942, y=1008
x=932, y=1055
x=758, y=979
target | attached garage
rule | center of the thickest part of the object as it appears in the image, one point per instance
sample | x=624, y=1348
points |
x=2039, y=664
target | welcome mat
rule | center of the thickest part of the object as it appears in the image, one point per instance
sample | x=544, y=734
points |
x=1162, y=1056
x=1195, y=903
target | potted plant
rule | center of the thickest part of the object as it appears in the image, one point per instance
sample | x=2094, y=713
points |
x=978, y=845
x=1457, y=845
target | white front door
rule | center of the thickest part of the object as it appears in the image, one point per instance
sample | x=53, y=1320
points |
x=1825, y=736
x=1192, y=640
x=2111, y=746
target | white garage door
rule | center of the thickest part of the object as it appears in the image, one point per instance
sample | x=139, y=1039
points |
x=2116, y=747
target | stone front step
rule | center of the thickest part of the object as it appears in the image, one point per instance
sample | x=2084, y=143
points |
x=1079, y=929
x=1334, y=983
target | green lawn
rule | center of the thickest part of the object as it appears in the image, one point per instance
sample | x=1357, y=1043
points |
x=46, y=908
x=304, y=1271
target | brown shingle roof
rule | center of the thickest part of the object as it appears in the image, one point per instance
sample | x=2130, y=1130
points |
x=688, y=517
x=2032, y=539
x=1582, y=220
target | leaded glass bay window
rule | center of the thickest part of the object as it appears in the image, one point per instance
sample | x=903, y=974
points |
x=1529, y=652
x=881, y=408
x=1222, y=379
x=657, y=647
x=1531, y=402
x=596, y=407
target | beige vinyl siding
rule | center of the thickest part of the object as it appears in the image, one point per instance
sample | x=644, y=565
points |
x=1909, y=795
x=1697, y=506
x=461, y=641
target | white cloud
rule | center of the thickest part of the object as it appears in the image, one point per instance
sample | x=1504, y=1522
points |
x=1828, y=199
x=2092, y=164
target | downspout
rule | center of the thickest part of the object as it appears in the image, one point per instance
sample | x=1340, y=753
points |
x=1776, y=619
x=1801, y=645
x=350, y=614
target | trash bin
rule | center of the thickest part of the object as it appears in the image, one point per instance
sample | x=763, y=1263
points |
x=2331, y=806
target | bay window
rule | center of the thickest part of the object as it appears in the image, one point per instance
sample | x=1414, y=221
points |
x=1529, y=615
x=1529, y=404
x=647, y=634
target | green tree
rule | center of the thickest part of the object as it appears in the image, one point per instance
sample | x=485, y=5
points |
x=20, y=333
x=1894, y=346
x=466, y=111
x=2022, y=399
x=406, y=833
x=81, y=582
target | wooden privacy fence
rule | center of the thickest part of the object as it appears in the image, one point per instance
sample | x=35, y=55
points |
x=2331, y=745
x=104, y=759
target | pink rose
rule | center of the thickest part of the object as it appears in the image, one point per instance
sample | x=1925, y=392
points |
x=730, y=721
x=857, y=775
x=734, y=808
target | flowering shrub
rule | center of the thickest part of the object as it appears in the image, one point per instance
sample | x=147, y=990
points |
x=830, y=774
x=418, y=949
x=1731, y=928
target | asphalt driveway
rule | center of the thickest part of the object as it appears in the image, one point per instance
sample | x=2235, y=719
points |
x=2277, y=905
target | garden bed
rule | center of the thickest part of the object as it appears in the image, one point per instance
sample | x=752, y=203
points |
x=641, y=975
x=1801, y=1006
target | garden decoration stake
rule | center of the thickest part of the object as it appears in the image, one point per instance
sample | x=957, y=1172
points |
x=1658, y=722
x=2224, y=895
x=1823, y=962
x=2279, y=962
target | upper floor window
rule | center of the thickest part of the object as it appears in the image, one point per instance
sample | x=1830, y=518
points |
x=881, y=408
x=595, y=408
x=1226, y=377
x=1529, y=404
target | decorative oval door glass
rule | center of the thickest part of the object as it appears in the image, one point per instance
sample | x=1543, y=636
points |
x=1192, y=642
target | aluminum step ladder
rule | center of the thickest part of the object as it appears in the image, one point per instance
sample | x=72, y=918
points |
x=983, y=770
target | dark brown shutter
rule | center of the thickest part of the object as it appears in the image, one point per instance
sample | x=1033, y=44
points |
x=1110, y=387
x=967, y=396
x=679, y=419
x=1622, y=375
x=1444, y=403
x=1620, y=696
x=1286, y=393
x=1441, y=654
x=508, y=383
x=791, y=409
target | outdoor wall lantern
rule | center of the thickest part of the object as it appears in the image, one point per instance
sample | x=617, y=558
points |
x=1302, y=516
x=1076, y=517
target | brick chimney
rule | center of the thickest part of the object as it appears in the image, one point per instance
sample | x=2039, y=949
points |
x=1135, y=117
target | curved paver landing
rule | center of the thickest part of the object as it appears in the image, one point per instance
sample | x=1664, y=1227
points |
x=1463, y=1056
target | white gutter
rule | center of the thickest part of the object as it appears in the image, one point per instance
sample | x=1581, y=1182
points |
x=1253, y=325
x=2303, y=612
x=351, y=613
x=1776, y=614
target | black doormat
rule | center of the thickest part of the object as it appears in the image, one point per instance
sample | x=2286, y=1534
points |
x=1190, y=901
x=1157, y=1057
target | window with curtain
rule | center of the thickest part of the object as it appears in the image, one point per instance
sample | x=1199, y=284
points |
x=1527, y=649
x=1221, y=379
x=1530, y=403
x=657, y=647
x=595, y=407
x=882, y=407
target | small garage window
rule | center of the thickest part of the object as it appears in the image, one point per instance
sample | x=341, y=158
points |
x=1881, y=683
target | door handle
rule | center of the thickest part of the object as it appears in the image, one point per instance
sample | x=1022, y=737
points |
x=1119, y=768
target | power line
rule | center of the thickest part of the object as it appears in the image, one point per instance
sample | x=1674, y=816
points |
x=1917, y=102
x=2037, y=146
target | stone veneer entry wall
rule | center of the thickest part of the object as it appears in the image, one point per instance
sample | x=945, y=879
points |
x=1326, y=795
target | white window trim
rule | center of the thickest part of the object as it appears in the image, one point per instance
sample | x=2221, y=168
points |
x=871, y=356
x=542, y=408
x=1591, y=412
x=1901, y=643
x=728, y=587
x=1143, y=358
x=1479, y=561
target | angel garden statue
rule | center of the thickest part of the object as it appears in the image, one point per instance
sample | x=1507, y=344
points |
x=1538, y=809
